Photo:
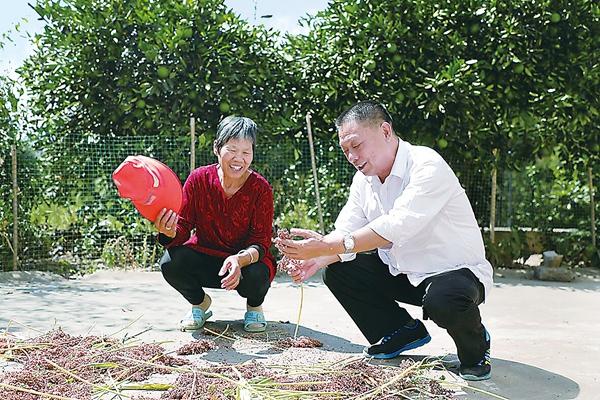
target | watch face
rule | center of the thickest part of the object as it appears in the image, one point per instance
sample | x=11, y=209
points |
x=348, y=243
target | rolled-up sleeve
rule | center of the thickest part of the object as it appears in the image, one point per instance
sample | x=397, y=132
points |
x=429, y=189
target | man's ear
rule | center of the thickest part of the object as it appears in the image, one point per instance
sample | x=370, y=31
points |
x=387, y=130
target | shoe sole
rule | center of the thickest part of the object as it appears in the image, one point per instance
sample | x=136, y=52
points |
x=256, y=330
x=468, y=377
x=190, y=328
x=410, y=346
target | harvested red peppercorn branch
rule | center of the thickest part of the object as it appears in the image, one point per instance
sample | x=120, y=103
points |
x=289, y=265
x=353, y=379
x=60, y=366
x=286, y=264
x=64, y=367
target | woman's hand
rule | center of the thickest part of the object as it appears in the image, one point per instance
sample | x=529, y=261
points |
x=231, y=267
x=166, y=222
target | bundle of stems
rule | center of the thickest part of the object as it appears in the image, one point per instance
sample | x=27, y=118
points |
x=62, y=367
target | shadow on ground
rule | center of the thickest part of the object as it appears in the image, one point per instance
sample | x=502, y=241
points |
x=237, y=345
x=511, y=380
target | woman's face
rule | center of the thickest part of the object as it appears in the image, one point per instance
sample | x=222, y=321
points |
x=235, y=157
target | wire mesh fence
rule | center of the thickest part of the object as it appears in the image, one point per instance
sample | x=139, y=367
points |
x=70, y=212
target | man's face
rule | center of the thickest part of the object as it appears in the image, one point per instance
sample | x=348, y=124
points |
x=364, y=144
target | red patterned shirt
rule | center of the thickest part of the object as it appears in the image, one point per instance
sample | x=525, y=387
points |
x=224, y=226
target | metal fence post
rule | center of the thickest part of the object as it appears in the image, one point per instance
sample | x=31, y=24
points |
x=493, y=201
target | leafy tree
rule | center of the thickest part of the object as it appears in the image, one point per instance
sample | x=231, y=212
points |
x=485, y=83
x=108, y=68
x=466, y=77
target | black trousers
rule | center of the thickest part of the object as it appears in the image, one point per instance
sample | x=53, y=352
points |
x=369, y=293
x=190, y=271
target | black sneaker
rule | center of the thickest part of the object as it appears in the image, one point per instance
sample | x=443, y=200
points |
x=403, y=339
x=449, y=362
x=483, y=369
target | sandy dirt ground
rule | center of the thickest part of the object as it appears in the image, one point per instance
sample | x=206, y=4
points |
x=545, y=335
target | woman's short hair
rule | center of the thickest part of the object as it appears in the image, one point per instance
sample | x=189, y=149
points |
x=233, y=127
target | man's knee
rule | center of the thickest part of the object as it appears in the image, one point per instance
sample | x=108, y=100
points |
x=443, y=309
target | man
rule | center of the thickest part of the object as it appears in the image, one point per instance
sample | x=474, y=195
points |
x=406, y=202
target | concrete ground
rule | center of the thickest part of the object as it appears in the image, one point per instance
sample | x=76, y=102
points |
x=545, y=336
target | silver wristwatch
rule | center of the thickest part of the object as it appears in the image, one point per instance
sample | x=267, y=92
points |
x=348, y=243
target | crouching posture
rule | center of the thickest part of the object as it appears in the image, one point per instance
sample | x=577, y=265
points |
x=221, y=237
x=407, y=203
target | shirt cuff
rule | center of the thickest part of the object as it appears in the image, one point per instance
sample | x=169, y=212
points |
x=345, y=257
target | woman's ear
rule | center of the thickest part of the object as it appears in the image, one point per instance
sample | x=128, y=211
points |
x=215, y=148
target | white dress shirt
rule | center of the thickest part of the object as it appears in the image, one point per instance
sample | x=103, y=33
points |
x=422, y=209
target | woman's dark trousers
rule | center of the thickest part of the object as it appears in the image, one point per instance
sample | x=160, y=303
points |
x=190, y=271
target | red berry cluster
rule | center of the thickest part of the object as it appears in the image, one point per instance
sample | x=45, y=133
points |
x=197, y=347
x=286, y=264
x=300, y=341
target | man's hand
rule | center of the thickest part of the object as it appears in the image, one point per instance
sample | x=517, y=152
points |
x=305, y=233
x=166, y=222
x=313, y=245
x=308, y=268
x=231, y=267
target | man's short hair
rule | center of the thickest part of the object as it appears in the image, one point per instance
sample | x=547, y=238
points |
x=364, y=111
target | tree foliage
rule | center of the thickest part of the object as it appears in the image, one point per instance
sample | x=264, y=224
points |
x=487, y=83
x=110, y=68
x=464, y=76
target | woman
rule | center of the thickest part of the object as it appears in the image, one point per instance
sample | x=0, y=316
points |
x=222, y=235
